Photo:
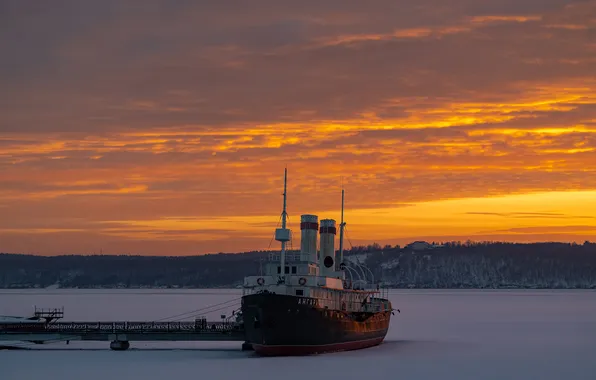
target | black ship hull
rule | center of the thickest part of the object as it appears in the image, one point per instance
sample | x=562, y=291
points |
x=280, y=325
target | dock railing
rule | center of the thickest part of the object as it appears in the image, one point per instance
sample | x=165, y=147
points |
x=50, y=315
x=124, y=327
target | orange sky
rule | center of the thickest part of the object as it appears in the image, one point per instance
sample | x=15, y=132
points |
x=164, y=128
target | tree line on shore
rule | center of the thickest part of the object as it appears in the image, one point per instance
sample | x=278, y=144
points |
x=446, y=265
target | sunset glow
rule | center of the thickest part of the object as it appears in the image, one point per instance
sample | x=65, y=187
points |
x=164, y=128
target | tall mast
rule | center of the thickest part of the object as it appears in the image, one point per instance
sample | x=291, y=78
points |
x=283, y=234
x=341, y=233
x=284, y=213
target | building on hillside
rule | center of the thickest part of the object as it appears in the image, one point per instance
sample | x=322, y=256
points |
x=418, y=246
x=421, y=246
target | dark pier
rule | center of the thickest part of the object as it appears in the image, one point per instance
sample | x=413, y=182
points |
x=45, y=328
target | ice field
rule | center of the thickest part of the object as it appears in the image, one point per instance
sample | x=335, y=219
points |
x=439, y=334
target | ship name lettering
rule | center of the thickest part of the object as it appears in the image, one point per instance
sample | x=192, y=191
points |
x=307, y=301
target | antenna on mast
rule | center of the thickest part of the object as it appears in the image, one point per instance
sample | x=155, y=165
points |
x=283, y=234
x=341, y=231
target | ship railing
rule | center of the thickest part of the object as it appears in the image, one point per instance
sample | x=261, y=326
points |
x=362, y=286
x=373, y=305
x=289, y=257
x=384, y=290
x=372, y=308
x=249, y=291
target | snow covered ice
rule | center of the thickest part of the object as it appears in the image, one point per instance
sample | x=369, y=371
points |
x=439, y=334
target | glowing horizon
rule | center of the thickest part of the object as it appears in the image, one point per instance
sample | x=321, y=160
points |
x=165, y=130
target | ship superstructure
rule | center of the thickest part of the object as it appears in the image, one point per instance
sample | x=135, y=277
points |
x=304, y=302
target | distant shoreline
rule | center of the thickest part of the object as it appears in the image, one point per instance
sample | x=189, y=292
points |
x=421, y=265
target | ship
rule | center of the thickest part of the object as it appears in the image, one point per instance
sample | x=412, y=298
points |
x=313, y=301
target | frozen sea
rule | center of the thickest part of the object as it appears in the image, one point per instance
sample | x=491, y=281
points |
x=439, y=334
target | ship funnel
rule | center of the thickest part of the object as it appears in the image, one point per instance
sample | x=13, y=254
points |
x=309, y=224
x=327, y=257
